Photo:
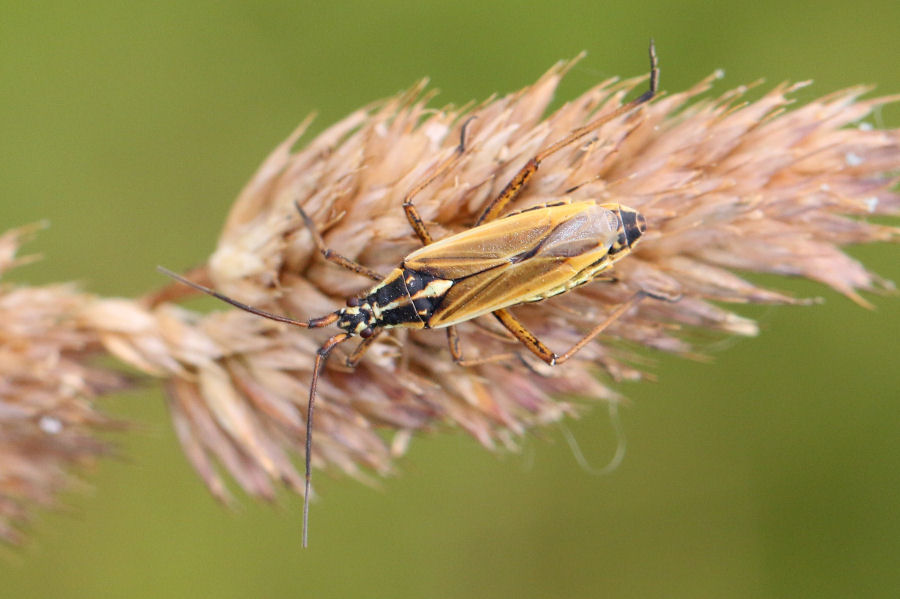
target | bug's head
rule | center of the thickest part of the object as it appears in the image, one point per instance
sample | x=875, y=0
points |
x=631, y=226
x=356, y=318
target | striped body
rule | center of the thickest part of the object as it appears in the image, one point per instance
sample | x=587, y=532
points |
x=523, y=257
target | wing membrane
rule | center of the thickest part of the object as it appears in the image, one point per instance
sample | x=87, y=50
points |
x=479, y=249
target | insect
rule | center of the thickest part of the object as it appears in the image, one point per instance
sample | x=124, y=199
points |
x=500, y=262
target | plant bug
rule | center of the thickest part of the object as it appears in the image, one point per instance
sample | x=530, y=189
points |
x=500, y=262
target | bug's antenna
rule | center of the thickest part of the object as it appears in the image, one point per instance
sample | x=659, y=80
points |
x=462, y=134
x=321, y=356
x=605, y=118
x=654, y=77
x=314, y=323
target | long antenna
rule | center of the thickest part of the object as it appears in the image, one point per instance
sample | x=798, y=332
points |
x=237, y=304
x=605, y=118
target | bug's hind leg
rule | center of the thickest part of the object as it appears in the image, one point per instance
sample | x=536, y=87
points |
x=333, y=256
x=517, y=184
x=543, y=352
x=412, y=215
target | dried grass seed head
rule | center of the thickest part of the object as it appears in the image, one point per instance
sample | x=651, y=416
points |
x=49, y=423
x=723, y=187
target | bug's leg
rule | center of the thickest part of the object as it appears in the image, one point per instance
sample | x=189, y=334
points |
x=412, y=215
x=321, y=356
x=333, y=256
x=515, y=186
x=354, y=358
x=545, y=353
x=456, y=352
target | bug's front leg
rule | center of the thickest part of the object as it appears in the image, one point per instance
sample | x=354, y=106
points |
x=331, y=255
x=412, y=215
x=543, y=352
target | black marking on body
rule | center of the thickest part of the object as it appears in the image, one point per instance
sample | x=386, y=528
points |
x=399, y=316
x=425, y=299
x=526, y=254
x=355, y=319
x=403, y=300
x=392, y=299
x=632, y=226
x=390, y=291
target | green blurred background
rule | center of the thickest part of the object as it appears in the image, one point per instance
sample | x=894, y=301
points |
x=774, y=472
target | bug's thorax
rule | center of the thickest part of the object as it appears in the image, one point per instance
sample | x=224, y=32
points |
x=404, y=298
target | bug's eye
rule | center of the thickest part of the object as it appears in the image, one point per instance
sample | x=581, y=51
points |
x=366, y=333
x=353, y=302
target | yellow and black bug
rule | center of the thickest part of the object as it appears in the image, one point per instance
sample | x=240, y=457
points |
x=501, y=262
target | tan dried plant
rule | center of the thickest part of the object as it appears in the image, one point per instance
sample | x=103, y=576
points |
x=725, y=186
x=49, y=424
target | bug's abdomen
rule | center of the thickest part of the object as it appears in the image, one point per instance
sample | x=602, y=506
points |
x=406, y=298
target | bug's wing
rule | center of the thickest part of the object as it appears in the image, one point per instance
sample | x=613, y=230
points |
x=499, y=288
x=480, y=248
x=524, y=257
x=569, y=227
